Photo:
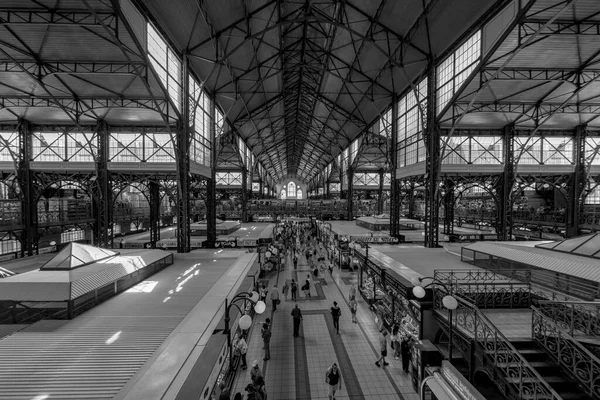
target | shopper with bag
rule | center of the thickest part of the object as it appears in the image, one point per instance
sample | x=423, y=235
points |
x=241, y=348
x=334, y=380
x=306, y=287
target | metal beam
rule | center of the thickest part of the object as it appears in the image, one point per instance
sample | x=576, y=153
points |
x=572, y=75
x=14, y=16
x=553, y=27
x=76, y=67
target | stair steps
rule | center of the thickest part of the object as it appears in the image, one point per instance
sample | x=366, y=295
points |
x=548, y=370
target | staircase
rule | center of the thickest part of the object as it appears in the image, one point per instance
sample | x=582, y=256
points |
x=526, y=352
x=548, y=370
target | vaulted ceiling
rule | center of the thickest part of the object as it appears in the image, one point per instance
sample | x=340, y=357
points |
x=299, y=80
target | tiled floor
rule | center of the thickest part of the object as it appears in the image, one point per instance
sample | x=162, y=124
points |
x=297, y=366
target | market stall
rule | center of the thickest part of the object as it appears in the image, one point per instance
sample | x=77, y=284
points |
x=389, y=295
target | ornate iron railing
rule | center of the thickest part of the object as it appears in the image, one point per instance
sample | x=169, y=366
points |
x=465, y=276
x=568, y=353
x=575, y=317
x=508, y=364
x=495, y=275
x=489, y=289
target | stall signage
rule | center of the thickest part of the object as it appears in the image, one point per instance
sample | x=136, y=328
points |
x=459, y=383
x=44, y=250
x=226, y=243
x=373, y=239
x=247, y=242
x=7, y=257
x=397, y=286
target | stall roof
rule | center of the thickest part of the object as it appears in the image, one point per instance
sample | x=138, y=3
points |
x=568, y=264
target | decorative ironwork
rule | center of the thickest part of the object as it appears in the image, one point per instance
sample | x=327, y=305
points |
x=509, y=365
x=576, y=318
x=571, y=356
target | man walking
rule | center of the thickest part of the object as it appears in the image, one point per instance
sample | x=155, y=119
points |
x=294, y=289
x=275, y=297
x=266, y=337
x=297, y=315
x=383, y=347
x=334, y=380
x=336, y=312
x=405, y=346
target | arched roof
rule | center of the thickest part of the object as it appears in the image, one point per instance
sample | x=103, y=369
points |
x=299, y=80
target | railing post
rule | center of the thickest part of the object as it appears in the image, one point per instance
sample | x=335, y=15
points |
x=572, y=320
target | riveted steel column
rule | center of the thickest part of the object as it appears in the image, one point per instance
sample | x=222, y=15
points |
x=380, y=200
x=432, y=169
x=504, y=187
x=244, y=195
x=103, y=201
x=182, y=156
x=350, y=193
x=29, y=237
x=154, y=213
x=393, y=163
x=211, y=188
x=574, y=191
x=449, y=207
x=411, y=200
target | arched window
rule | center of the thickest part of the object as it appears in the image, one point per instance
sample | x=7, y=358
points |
x=283, y=194
x=291, y=190
x=299, y=193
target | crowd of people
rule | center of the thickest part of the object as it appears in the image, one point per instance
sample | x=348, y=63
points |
x=293, y=240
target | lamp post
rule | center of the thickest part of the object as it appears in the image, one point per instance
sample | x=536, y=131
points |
x=449, y=301
x=245, y=319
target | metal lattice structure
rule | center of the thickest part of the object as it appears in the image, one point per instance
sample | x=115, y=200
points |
x=428, y=95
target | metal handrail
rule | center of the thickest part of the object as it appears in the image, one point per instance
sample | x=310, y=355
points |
x=567, y=352
x=462, y=275
x=576, y=317
x=499, y=349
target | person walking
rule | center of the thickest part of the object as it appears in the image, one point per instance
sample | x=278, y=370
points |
x=306, y=287
x=255, y=372
x=383, y=348
x=285, y=289
x=334, y=380
x=353, y=308
x=336, y=312
x=225, y=392
x=297, y=315
x=266, y=337
x=395, y=341
x=294, y=289
x=405, y=348
x=352, y=292
x=241, y=348
x=295, y=262
x=263, y=293
x=275, y=298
